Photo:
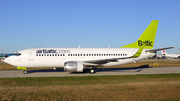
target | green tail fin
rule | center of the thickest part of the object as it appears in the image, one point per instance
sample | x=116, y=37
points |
x=147, y=38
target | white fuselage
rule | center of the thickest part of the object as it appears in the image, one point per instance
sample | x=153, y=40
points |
x=56, y=57
x=172, y=55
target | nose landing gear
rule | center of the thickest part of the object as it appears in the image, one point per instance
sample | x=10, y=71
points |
x=25, y=72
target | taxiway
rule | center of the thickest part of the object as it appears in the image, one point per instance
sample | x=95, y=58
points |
x=105, y=71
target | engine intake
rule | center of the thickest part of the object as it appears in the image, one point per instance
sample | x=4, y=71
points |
x=72, y=66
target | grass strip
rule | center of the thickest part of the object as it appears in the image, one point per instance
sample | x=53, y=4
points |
x=156, y=87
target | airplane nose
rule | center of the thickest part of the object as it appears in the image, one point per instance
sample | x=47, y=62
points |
x=7, y=60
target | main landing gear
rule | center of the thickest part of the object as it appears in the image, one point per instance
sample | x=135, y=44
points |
x=92, y=71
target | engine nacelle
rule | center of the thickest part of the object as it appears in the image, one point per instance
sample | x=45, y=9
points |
x=72, y=66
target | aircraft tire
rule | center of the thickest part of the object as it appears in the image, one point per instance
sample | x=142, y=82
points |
x=92, y=71
x=25, y=72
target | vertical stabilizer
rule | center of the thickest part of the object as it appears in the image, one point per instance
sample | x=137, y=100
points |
x=163, y=52
x=147, y=38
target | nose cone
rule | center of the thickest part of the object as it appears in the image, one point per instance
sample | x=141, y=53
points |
x=7, y=60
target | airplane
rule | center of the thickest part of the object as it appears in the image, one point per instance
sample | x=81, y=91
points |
x=175, y=56
x=87, y=59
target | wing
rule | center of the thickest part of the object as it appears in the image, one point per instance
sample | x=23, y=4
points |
x=103, y=61
x=154, y=50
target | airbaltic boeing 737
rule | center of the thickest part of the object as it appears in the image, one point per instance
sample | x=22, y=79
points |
x=80, y=59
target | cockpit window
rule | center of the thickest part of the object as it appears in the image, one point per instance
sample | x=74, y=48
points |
x=17, y=54
x=10, y=54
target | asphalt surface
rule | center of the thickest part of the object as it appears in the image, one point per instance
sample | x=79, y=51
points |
x=105, y=71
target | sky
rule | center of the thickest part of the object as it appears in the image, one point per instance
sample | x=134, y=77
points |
x=89, y=23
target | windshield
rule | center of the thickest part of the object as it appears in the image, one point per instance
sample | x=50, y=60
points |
x=10, y=54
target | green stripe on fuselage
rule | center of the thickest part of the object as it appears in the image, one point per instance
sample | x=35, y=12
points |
x=138, y=53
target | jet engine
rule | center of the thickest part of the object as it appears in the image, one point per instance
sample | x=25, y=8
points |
x=72, y=66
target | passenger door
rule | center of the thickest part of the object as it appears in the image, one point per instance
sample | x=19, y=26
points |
x=31, y=56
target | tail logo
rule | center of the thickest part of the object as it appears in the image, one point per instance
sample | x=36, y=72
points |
x=163, y=51
x=146, y=43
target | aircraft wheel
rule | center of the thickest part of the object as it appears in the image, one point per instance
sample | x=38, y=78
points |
x=92, y=71
x=25, y=72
